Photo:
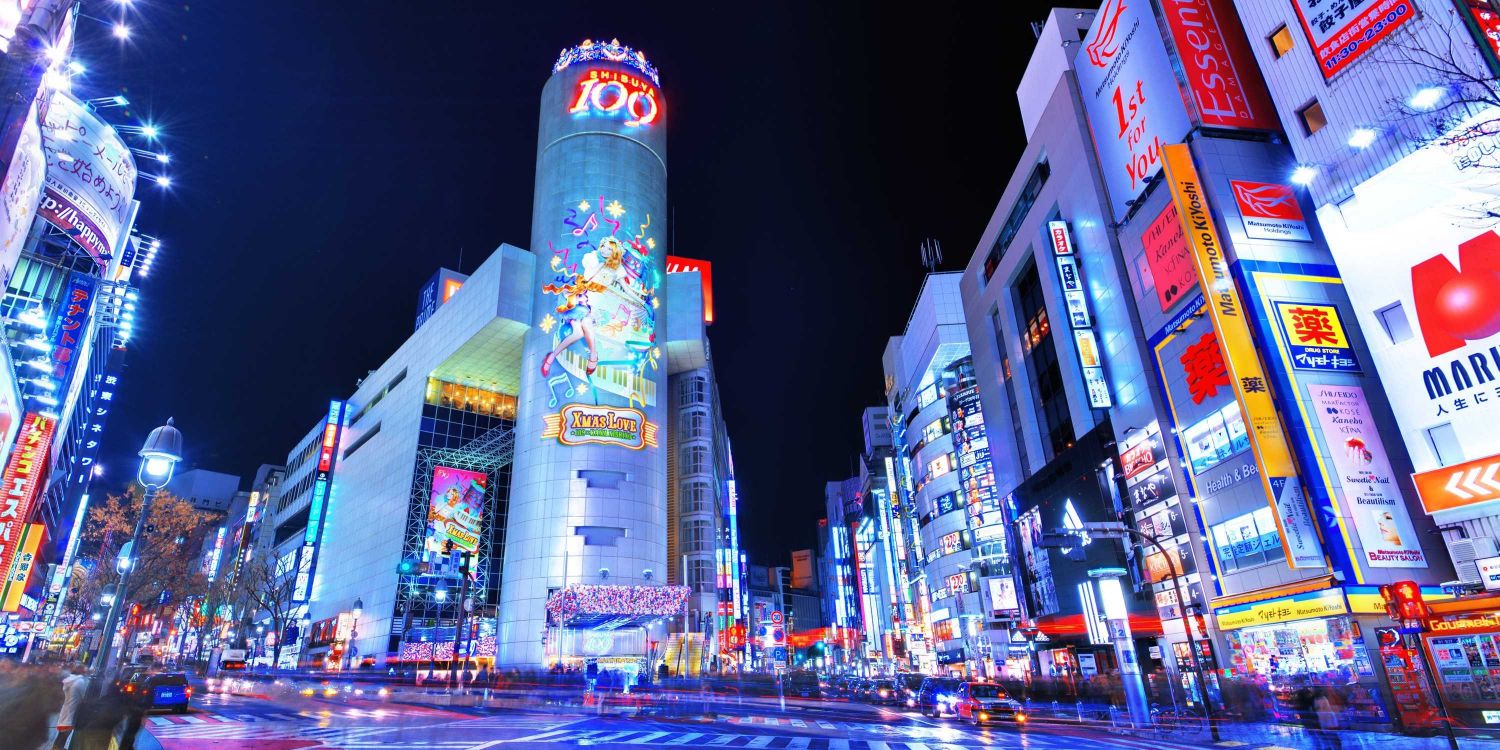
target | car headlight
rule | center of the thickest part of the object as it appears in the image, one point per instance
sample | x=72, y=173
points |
x=984, y=716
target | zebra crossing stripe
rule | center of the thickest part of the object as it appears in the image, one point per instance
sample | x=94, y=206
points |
x=648, y=737
x=761, y=741
x=542, y=736
x=190, y=719
x=799, y=743
x=601, y=737
x=159, y=720
x=837, y=743
x=825, y=725
x=684, y=739
x=799, y=723
x=724, y=739
x=878, y=745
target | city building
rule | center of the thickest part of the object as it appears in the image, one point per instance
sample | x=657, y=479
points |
x=949, y=514
x=593, y=403
x=212, y=491
x=551, y=439
x=1153, y=308
x=69, y=258
x=1402, y=188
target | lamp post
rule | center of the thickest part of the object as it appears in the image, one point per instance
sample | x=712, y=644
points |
x=351, y=651
x=305, y=637
x=159, y=455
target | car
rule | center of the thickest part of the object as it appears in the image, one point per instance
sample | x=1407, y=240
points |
x=844, y=685
x=937, y=696
x=985, y=702
x=166, y=690
x=883, y=692
x=909, y=683
x=801, y=683
x=125, y=675
x=862, y=690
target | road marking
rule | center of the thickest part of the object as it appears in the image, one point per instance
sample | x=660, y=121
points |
x=825, y=725
x=159, y=720
x=684, y=739
x=799, y=723
x=648, y=737
x=798, y=743
x=761, y=741
x=837, y=743
x=536, y=737
x=724, y=739
x=190, y=719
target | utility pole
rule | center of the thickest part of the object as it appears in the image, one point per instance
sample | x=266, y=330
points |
x=463, y=601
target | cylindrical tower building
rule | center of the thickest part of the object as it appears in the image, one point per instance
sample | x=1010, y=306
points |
x=588, y=488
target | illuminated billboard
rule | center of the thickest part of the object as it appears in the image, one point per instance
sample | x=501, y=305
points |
x=602, y=298
x=1421, y=263
x=1343, y=32
x=90, y=181
x=20, y=192
x=24, y=475
x=455, y=510
x=317, y=509
x=20, y=569
x=677, y=264
x=1223, y=355
x=1131, y=97
x=1223, y=83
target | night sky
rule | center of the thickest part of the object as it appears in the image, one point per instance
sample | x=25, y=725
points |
x=329, y=156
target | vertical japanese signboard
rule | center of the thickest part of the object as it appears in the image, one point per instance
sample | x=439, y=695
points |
x=1076, y=300
x=20, y=568
x=69, y=324
x=307, y=557
x=22, y=482
x=20, y=192
x=1242, y=370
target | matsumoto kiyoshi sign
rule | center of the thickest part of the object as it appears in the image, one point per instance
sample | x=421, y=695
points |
x=1424, y=279
x=1130, y=94
x=1370, y=494
x=90, y=180
x=578, y=424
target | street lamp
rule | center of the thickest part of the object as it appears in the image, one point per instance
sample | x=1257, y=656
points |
x=305, y=636
x=159, y=455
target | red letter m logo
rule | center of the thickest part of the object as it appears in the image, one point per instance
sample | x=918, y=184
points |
x=1457, y=305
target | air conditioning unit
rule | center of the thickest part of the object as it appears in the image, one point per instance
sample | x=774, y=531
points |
x=1465, y=551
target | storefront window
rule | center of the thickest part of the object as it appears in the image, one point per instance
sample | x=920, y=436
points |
x=470, y=399
x=1468, y=667
x=1215, y=438
x=1248, y=541
x=1289, y=658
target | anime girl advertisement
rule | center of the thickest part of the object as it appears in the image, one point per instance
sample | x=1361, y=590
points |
x=455, y=510
x=603, y=291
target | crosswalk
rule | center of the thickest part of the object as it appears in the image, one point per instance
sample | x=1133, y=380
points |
x=713, y=739
x=226, y=718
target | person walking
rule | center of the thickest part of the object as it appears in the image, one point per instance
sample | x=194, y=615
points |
x=75, y=686
x=1329, y=711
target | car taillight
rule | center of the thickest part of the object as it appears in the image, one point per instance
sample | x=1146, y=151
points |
x=190, y=692
x=130, y=688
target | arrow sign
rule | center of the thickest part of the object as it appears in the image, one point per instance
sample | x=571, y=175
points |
x=1459, y=485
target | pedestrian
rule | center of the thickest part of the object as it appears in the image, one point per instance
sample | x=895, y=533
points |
x=75, y=686
x=96, y=719
x=26, y=699
x=1329, y=711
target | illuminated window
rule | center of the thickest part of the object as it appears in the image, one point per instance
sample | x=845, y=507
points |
x=1281, y=41
x=695, y=460
x=470, y=399
x=939, y=466
x=935, y=429
x=1248, y=541
x=698, y=536
x=700, y=575
x=1312, y=117
x=698, y=498
x=1042, y=364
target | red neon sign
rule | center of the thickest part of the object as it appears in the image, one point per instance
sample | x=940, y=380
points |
x=678, y=264
x=612, y=92
x=22, y=482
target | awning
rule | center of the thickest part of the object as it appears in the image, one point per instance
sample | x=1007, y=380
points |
x=1274, y=592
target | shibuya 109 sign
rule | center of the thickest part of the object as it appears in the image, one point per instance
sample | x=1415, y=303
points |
x=617, y=94
x=90, y=181
x=1424, y=280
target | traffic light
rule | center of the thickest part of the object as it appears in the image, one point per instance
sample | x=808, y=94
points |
x=406, y=567
x=1409, y=604
x=1388, y=595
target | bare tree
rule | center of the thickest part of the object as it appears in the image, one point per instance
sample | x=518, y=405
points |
x=269, y=584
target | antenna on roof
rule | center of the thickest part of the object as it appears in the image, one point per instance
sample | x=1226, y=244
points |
x=932, y=254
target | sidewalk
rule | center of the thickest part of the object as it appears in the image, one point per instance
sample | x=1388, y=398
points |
x=1264, y=735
